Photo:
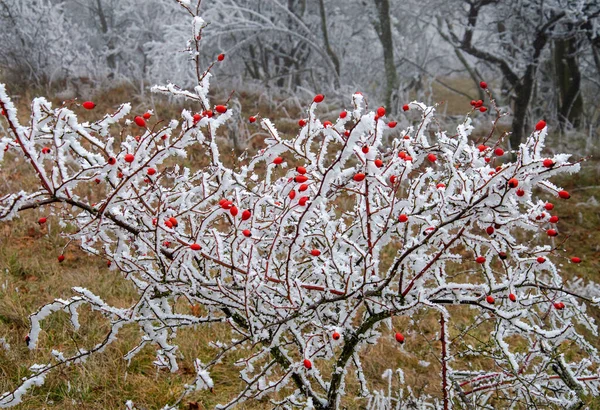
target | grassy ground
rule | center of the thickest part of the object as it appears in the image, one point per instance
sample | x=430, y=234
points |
x=31, y=276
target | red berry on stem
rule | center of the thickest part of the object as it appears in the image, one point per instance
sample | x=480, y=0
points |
x=513, y=183
x=246, y=215
x=381, y=111
x=392, y=179
x=405, y=107
x=575, y=259
x=378, y=163
x=392, y=124
x=195, y=247
x=549, y=206
x=399, y=337
x=252, y=119
x=151, y=171
x=502, y=255
x=499, y=152
x=490, y=230
x=302, y=123
x=483, y=84
x=335, y=336
x=431, y=157
x=552, y=232
x=129, y=158
x=482, y=109
x=548, y=163
x=221, y=57
x=520, y=192
x=481, y=148
x=277, y=160
x=168, y=224
x=173, y=221
x=490, y=299
x=359, y=177
x=300, y=178
x=139, y=121
x=147, y=115
x=403, y=218
x=365, y=149
x=303, y=187
x=307, y=364
x=61, y=258
x=540, y=125
x=301, y=170
x=564, y=195
x=42, y=220
x=247, y=233
x=319, y=98
x=45, y=150
x=221, y=109
x=315, y=252
x=553, y=219
x=292, y=194
x=233, y=211
x=480, y=259
x=438, y=186
x=302, y=201
x=343, y=114
x=88, y=105
x=512, y=297
x=541, y=259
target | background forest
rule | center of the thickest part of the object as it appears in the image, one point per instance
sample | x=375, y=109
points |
x=542, y=58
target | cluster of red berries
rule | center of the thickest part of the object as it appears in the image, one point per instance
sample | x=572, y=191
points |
x=319, y=98
x=478, y=105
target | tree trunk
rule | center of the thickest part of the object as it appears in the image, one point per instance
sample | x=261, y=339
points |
x=110, y=59
x=334, y=59
x=568, y=78
x=384, y=30
x=523, y=93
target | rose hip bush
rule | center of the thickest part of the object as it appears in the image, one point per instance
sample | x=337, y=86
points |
x=288, y=249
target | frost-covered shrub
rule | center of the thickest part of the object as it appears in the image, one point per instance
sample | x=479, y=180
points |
x=288, y=249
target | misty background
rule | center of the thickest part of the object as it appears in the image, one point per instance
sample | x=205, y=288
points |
x=541, y=58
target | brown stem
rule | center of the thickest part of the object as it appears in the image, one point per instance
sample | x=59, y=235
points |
x=444, y=361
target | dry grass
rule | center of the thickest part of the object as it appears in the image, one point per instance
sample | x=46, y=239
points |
x=31, y=276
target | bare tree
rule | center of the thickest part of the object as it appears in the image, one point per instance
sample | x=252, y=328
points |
x=383, y=28
x=513, y=37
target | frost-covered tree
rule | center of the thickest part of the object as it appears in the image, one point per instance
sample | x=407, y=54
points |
x=514, y=38
x=37, y=43
x=311, y=247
